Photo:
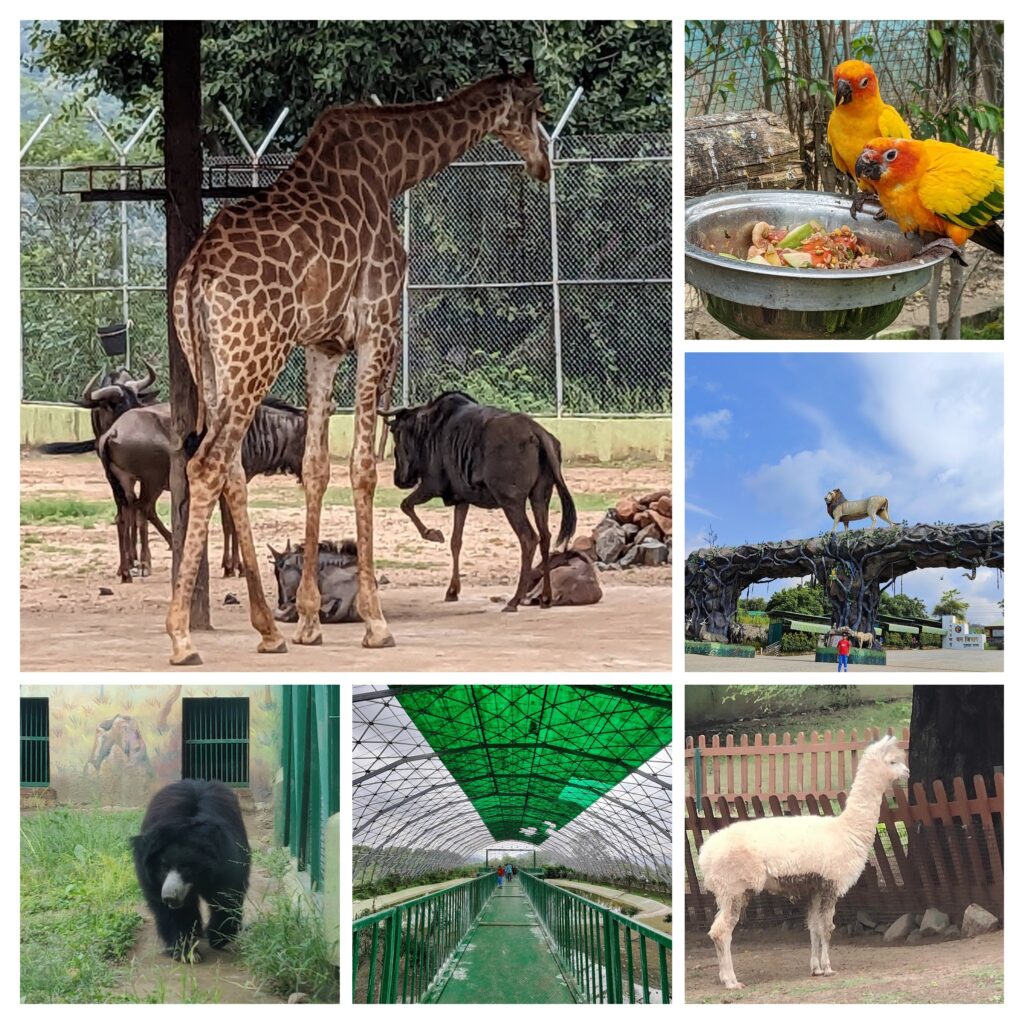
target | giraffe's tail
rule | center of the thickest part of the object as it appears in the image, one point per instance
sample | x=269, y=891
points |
x=189, y=328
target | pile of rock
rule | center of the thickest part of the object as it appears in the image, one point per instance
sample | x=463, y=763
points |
x=636, y=532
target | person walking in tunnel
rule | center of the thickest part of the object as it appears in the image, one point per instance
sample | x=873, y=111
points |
x=501, y=874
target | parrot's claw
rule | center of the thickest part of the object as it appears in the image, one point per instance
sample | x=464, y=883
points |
x=857, y=206
x=880, y=214
x=943, y=247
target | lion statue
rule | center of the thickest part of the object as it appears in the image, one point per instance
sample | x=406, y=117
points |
x=844, y=511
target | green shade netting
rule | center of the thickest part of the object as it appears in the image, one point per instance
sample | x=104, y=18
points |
x=531, y=758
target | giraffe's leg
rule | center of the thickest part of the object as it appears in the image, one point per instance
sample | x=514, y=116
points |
x=321, y=366
x=363, y=471
x=236, y=499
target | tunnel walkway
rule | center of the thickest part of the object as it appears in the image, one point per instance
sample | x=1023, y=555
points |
x=505, y=958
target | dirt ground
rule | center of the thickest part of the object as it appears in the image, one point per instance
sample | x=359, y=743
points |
x=773, y=965
x=938, y=660
x=984, y=292
x=67, y=625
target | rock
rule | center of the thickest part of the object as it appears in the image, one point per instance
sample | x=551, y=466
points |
x=653, y=497
x=104, y=592
x=900, y=928
x=585, y=543
x=865, y=919
x=382, y=579
x=231, y=599
x=652, y=552
x=609, y=543
x=881, y=928
x=917, y=919
x=663, y=505
x=298, y=997
x=933, y=922
x=630, y=530
x=626, y=509
x=915, y=937
x=951, y=931
x=628, y=558
x=978, y=921
x=606, y=523
x=664, y=522
x=651, y=531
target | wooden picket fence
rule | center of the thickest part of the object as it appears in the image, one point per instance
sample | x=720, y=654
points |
x=947, y=854
x=824, y=765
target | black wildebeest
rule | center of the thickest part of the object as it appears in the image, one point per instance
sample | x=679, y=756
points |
x=137, y=450
x=470, y=454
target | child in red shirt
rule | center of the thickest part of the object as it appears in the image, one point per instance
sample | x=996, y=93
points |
x=843, y=647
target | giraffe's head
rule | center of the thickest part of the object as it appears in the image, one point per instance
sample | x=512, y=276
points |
x=519, y=128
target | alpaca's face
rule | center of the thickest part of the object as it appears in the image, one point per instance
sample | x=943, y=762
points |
x=896, y=763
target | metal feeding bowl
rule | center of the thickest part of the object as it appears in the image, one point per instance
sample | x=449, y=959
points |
x=757, y=301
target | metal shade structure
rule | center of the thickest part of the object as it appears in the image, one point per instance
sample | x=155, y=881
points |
x=581, y=774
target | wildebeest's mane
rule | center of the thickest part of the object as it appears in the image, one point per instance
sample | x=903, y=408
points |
x=331, y=547
x=273, y=402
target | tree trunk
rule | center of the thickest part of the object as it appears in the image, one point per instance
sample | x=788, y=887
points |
x=956, y=731
x=183, y=170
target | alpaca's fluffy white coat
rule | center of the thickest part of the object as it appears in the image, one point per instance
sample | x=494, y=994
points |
x=819, y=856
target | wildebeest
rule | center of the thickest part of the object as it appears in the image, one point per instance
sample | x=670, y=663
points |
x=336, y=575
x=137, y=450
x=844, y=511
x=465, y=453
x=107, y=399
x=573, y=580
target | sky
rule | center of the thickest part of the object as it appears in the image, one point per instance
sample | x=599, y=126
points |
x=768, y=435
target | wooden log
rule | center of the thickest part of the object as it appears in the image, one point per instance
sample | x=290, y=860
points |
x=747, y=149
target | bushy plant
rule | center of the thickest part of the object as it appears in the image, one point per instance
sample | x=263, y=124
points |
x=798, y=642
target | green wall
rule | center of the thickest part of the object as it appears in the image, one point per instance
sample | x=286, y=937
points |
x=583, y=440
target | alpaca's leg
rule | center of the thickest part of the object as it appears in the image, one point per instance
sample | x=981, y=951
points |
x=730, y=908
x=814, y=927
x=825, y=919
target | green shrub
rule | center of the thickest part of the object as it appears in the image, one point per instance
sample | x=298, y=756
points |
x=796, y=642
x=857, y=657
x=719, y=650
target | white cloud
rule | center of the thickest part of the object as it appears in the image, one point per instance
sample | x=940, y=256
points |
x=713, y=424
x=690, y=507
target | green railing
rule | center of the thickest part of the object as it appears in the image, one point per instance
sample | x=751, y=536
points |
x=605, y=956
x=397, y=954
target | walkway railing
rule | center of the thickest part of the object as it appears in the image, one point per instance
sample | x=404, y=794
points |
x=397, y=953
x=605, y=955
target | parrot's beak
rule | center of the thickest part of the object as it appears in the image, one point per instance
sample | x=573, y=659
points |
x=868, y=168
x=844, y=94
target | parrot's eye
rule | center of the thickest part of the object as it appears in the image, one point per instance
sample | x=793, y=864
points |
x=891, y=154
x=864, y=82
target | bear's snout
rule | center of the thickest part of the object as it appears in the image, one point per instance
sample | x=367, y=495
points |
x=174, y=890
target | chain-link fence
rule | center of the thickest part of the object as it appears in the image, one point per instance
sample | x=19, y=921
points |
x=544, y=307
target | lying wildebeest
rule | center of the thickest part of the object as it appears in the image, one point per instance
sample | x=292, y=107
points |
x=336, y=577
x=843, y=511
x=137, y=450
x=573, y=580
x=107, y=399
x=469, y=454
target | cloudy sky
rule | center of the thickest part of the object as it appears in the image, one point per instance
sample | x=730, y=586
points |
x=768, y=435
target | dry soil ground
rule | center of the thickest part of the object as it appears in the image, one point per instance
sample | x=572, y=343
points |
x=774, y=967
x=67, y=625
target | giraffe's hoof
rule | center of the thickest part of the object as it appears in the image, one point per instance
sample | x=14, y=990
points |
x=377, y=640
x=307, y=637
x=275, y=646
x=186, y=658
x=510, y=607
x=451, y=596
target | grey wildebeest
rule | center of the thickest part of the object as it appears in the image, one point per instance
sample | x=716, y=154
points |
x=845, y=511
x=336, y=576
x=466, y=454
x=137, y=450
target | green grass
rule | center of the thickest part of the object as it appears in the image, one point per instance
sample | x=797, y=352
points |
x=64, y=511
x=285, y=948
x=78, y=896
x=994, y=330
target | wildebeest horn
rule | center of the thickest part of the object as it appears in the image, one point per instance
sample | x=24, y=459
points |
x=141, y=385
x=386, y=414
x=107, y=394
x=88, y=387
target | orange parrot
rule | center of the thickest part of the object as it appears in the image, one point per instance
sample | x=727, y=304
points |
x=927, y=185
x=859, y=116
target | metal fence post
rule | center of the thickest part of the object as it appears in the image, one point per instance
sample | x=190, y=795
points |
x=556, y=305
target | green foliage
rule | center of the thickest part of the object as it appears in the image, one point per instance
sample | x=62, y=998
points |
x=931, y=640
x=796, y=642
x=902, y=606
x=803, y=600
x=393, y=882
x=719, y=650
x=257, y=67
x=773, y=699
x=857, y=656
x=951, y=604
x=58, y=510
x=753, y=604
x=896, y=641
x=78, y=895
x=286, y=950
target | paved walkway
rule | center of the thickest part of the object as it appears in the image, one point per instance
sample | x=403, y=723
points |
x=896, y=661
x=505, y=958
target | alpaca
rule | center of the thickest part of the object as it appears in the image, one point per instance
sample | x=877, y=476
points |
x=811, y=858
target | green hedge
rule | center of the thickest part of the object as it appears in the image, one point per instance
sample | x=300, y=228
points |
x=796, y=642
x=857, y=656
x=719, y=650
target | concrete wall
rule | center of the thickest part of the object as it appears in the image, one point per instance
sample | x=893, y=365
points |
x=704, y=705
x=92, y=762
x=583, y=440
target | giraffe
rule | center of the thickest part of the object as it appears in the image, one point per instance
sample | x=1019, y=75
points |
x=316, y=261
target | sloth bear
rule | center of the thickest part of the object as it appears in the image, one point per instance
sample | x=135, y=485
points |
x=193, y=844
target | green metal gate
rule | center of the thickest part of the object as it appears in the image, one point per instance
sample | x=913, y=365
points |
x=215, y=739
x=35, y=742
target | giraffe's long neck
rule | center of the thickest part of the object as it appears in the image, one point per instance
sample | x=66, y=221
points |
x=404, y=145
